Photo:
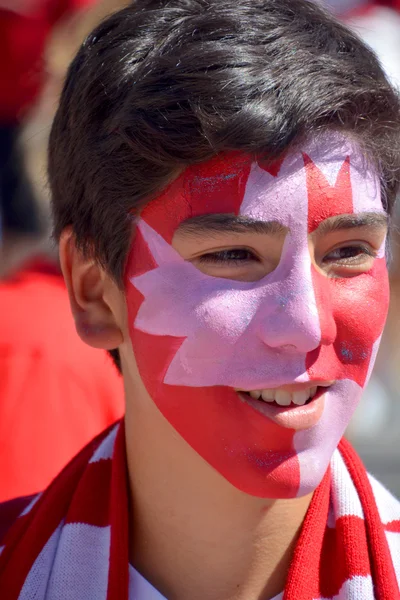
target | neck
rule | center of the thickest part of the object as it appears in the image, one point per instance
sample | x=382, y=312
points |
x=192, y=534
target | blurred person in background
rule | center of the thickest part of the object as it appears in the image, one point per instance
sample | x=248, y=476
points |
x=24, y=28
x=56, y=393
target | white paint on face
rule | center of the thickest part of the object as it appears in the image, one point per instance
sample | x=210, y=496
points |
x=316, y=445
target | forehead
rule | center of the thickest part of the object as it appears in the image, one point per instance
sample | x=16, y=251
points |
x=326, y=177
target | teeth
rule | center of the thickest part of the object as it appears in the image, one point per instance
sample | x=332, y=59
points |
x=282, y=397
x=300, y=398
x=268, y=395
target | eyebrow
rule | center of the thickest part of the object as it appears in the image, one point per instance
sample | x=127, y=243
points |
x=228, y=223
x=373, y=220
x=231, y=223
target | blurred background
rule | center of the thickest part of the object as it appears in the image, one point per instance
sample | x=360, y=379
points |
x=55, y=393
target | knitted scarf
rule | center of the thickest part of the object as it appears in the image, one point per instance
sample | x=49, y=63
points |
x=71, y=542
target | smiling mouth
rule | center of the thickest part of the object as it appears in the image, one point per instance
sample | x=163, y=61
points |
x=287, y=397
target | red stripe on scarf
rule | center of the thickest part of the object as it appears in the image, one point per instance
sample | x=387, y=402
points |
x=118, y=576
x=88, y=505
x=303, y=577
x=344, y=554
x=393, y=526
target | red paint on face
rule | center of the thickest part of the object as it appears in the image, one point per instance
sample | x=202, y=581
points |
x=358, y=308
x=325, y=200
x=141, y=260
x=217, y=186
x=349, y=327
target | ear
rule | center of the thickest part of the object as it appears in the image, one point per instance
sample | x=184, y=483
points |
x=87, y=284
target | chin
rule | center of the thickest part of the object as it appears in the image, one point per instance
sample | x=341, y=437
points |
x=280, y=484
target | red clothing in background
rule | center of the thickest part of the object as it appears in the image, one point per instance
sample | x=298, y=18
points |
x=22, y=41
x=56, y=393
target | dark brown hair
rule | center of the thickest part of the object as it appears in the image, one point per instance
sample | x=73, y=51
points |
x=166, y=83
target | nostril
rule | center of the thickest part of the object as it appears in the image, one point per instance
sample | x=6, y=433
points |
x=288, y=347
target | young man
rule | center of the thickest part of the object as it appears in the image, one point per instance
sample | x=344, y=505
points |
x=222, y=177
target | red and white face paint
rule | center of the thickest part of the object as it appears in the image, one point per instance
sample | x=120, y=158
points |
x=197, y=337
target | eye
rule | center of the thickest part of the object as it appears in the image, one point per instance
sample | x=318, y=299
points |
x=353, y=255
x=235, y=256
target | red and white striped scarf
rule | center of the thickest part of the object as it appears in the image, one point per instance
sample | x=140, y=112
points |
x=71, y=542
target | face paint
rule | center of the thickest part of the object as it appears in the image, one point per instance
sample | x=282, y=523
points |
x=196, y=337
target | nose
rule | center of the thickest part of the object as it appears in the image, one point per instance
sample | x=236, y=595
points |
x=296, y=315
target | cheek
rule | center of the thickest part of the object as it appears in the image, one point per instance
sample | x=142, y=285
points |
x=360, y=309
x=356, y=308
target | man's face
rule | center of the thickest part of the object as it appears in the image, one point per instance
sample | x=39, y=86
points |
x=257, y=295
